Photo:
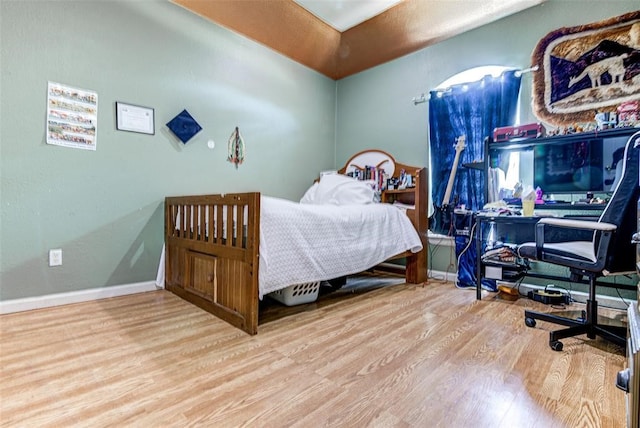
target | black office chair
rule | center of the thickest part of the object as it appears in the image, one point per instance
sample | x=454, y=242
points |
x=608, y=251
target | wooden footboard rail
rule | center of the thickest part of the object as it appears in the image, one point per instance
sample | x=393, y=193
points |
x=212, y=245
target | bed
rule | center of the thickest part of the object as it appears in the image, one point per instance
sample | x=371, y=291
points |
x=225, y=252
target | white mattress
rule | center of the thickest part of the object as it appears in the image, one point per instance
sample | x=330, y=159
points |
x=306, y=243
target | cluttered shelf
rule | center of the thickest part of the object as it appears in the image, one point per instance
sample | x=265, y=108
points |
x=521, y=143
x=568, y=171
x=492, y=229
x=566, y=206
x=400, y=191
x=402, y=196
x=514, y=210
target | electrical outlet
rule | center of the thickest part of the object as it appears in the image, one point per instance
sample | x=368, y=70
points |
x=55, y=257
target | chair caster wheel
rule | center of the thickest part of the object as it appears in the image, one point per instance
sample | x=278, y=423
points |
x=530, y=322
x=556, y=345
x=583, y=317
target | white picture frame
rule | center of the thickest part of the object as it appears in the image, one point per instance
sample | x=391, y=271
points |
x=135, y=118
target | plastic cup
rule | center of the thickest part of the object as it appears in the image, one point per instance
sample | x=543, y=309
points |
x=527, y=208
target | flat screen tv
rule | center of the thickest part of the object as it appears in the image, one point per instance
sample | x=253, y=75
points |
x=578, y=166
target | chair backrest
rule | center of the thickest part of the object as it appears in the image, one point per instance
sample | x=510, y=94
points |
x=622, y=211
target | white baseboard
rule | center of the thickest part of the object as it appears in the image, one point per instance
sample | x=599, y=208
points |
x=613, y=302
x=443, y=276
x=441, y=240
x=51, y=300
x=58, y=299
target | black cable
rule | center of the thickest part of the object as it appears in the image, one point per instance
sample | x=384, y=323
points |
x=466, y=248
x=624, y=302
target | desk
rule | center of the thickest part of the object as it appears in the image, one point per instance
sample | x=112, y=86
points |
x=509, y=229
x=512, y=229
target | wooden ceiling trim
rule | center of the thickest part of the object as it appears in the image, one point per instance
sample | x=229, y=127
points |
x=288, y=28
x=412, y=25
x=281, y=25
x=398, y=31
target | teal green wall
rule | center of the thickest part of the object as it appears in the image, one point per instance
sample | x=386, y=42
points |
x=104, y=207
x=374, y=107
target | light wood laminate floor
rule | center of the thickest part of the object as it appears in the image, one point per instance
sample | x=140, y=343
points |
x=396, y=356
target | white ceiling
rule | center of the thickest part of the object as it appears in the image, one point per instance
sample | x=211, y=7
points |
x=345, y=14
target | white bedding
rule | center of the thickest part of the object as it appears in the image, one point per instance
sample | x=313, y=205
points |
x=336, y=230
x=306, y=243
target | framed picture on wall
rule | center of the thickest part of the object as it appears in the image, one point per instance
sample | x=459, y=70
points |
x=134, y=118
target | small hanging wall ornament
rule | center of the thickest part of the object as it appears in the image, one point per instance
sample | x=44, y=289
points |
x=236, y=148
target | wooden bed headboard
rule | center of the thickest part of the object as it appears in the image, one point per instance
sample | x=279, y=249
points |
x=416, y=196
x=379, y=159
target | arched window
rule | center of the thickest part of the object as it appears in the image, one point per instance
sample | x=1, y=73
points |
x=473, y=75
x=510, y=172
x=471, y=103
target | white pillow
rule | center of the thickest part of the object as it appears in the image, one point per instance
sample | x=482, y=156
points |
x=336, y=189
x=309, y=196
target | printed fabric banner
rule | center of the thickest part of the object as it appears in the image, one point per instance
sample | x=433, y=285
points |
x=72, y=117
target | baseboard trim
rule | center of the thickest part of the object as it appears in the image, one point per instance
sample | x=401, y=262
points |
x=58, y=299
x=441, y=240
x=613, y=302
x=443, y=276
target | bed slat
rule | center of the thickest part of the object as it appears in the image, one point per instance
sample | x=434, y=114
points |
x=213, y=263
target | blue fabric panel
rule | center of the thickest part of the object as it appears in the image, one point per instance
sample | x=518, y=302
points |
x=473, y=110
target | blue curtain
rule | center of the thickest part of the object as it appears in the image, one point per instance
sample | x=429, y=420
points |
x=473, y=110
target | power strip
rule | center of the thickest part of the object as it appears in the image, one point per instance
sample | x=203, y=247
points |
x=549, y=297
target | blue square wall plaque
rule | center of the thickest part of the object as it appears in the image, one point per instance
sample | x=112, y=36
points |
x=184, y=126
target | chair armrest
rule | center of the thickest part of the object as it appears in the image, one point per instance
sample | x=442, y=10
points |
x=545, y=226
x=578, y=224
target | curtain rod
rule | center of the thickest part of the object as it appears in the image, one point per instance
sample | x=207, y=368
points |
x=419, y=100
x=527, y=70
x=422, y=98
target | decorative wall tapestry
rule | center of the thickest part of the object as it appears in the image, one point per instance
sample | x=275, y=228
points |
x=587, y=69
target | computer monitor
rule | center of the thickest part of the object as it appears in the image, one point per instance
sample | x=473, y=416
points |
x=579, y=166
